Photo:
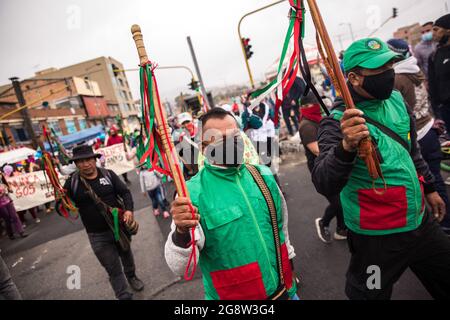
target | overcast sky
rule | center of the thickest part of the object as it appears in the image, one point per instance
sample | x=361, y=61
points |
x=37, y=34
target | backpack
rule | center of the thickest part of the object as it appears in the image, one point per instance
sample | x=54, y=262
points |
x=75, y=179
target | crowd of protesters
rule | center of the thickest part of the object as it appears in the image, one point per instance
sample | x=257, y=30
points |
x=399, y=221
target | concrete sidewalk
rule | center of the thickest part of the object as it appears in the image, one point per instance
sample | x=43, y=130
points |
x=41, y=272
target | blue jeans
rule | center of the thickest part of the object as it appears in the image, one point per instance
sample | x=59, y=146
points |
x=432, y=154
x=157, y=198
x=112, y=258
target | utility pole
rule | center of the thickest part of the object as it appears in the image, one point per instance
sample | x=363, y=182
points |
x=25, y=114
x=350, y=26
x=393, y=16
x=199, y=75
x=339, y=36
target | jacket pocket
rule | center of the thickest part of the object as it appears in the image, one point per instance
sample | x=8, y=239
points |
x=383, y=211
x=241, y=283
x=217, y=218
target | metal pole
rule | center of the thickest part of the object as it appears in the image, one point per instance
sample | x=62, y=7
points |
x=199, y=75
x=25, y=114
x=340, y=41
x=376, y=30
x=240, y=38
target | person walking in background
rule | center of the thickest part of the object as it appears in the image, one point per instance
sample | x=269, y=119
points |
x=8, y=212
x=425, y=48
x=439, y=70
x=113, y=139
x=151, y=184
x=291, y=106
x=310, y=117
x=410, y=81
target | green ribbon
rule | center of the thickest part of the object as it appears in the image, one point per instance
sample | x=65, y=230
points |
x=287, y=40
x=115, y=214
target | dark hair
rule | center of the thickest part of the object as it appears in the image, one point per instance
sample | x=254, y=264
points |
x=428, y=23
x=215, y=113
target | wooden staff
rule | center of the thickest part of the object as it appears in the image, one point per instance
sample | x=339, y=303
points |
x=366, y=148
x=161, y=121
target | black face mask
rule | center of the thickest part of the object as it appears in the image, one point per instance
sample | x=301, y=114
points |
x=380, y=86
x=228, y=152
x=444, y=40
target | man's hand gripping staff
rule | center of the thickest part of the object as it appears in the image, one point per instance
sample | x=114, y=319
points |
x=159, y=146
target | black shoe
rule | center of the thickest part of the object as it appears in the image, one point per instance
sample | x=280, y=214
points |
x=340, y=234
x=11, y=236
x=322, y=231
x=136, y=284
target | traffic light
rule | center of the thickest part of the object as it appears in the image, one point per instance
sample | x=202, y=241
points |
x=394, y=13
x=194, y=85
x=247, y=48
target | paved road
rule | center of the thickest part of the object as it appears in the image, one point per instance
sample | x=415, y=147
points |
x=52, y=226
x=43, y=265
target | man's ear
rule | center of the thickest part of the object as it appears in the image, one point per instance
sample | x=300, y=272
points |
x=355, y=79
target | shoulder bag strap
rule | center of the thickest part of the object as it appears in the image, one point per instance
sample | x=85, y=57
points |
x=273, y=215
x=388, y=132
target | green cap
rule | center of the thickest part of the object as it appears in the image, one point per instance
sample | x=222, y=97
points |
x=371, y=53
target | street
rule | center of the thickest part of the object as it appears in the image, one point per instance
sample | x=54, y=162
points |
x=39, y=263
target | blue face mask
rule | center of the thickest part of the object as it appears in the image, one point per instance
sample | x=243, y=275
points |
x=427, y=36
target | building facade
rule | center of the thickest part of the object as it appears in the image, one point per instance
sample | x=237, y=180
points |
x=65, y=105
x=112, y=83
x=412, y=34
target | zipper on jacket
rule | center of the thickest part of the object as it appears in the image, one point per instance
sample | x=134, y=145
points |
x=257, y=228
x=417, y=205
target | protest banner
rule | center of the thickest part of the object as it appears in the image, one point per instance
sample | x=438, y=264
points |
x=30, y=190
x=116, y=160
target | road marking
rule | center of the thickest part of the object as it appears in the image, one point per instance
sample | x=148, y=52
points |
x=17, y=262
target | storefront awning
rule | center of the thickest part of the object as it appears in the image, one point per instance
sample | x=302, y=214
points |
x=79, y=137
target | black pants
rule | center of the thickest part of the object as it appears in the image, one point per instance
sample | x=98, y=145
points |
x=287, y=118
x=334, y=209
x=112, y=258
x=425, y=250
x=431, y=152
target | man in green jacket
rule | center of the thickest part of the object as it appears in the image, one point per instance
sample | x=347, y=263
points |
x=390, y=228
x=234, y=234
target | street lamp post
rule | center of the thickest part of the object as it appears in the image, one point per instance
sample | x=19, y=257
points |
x=168, y=68
x=252, y=83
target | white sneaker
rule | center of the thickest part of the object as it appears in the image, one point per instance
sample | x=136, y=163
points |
x=447, y=182
x=37, y=220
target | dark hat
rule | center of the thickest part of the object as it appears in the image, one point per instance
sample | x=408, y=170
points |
x=399, y=46
x=310, y=98
x=83, y=152
x=443, y=22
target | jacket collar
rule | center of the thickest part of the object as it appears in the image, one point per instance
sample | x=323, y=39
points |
x=221, y=172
